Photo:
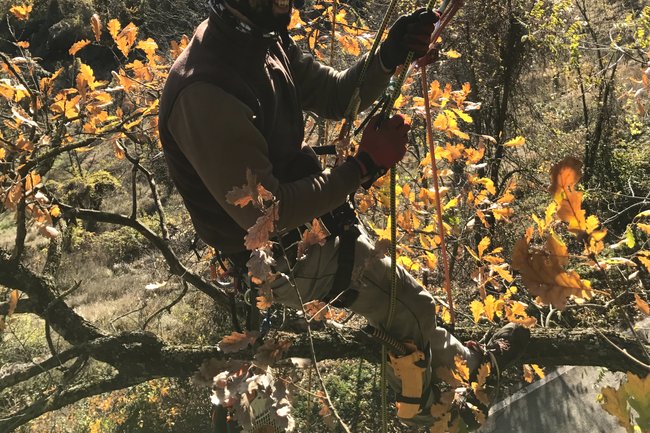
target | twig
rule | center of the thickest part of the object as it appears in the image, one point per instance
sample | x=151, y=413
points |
x=622, y=351
x=168, y=307
x=311, y=342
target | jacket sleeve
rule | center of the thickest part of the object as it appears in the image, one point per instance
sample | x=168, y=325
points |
x=326, y=91
x=215, y=132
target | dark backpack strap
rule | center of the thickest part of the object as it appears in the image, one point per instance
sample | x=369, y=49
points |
x=341, y=295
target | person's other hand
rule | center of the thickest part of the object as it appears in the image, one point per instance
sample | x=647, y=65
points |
x=410, y=32
x=385, y=145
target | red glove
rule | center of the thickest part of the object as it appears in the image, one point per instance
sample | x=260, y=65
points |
x=381, y=148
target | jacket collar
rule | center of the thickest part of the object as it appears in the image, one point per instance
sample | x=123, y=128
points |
x=241, y=35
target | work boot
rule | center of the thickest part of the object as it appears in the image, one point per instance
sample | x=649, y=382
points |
x=504, y=348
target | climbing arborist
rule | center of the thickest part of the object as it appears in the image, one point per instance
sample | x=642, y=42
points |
x=234, y=100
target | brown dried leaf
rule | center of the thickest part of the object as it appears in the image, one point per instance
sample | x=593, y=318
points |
x=317, y=310
x=259, y=264
x=642, y=305
x=316, y=235
x=271, y=351
x=259, y=234
x=237, y=341
x=96, y=24
x=564, y=177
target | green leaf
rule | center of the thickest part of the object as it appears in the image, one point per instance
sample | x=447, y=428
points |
x=630, y=241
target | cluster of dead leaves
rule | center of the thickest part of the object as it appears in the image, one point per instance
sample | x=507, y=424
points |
x=462, y=384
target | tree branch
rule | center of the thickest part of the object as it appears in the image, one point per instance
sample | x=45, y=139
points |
x=175, y=265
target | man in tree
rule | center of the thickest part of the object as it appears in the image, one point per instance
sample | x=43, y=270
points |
x=233, y=102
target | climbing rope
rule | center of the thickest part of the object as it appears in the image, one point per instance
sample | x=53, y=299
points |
x=447, y=10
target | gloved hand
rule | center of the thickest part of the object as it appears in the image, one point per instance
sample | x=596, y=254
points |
x=409, y=33
x=380, y=149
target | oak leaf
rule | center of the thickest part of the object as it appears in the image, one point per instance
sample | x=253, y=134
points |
x=96, y=24
x=77, y=46
x=544, y=275
x=126, y=38
x=237, y=341
x=564, y=177
x=642, y=305
x=315, y=235
x=260, y=263
x=21, y=12
x=259, y=234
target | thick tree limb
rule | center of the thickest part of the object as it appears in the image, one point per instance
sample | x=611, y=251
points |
x=141, y=356
x=44, y=302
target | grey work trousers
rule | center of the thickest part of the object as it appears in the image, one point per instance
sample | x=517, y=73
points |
x=414, y=314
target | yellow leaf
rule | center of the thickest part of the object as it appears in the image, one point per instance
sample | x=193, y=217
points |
x=529, y=374
x=295, y=22
x=477, y=310
x=461, y=368
x=483, y=245
x=21, y=12
x=441, y=123
x=515, y=142
x=149, y=46
x=96, y=24
x=451, y=204
x=452, y=54
x=503, y=272
x=538, y=371
x=644, y=228
x=114, y=27
x=490, y=307
x=55, y=211
x=3, y=153
x=74, y=49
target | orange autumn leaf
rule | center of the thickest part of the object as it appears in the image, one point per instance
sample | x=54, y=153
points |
x=21, y=12
x=564, y=177
x=74, y=49
x=13, y=302
x=642, y=305
x=250, y=192
x=114, y=28
x=126, y=38
x=543, y=273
